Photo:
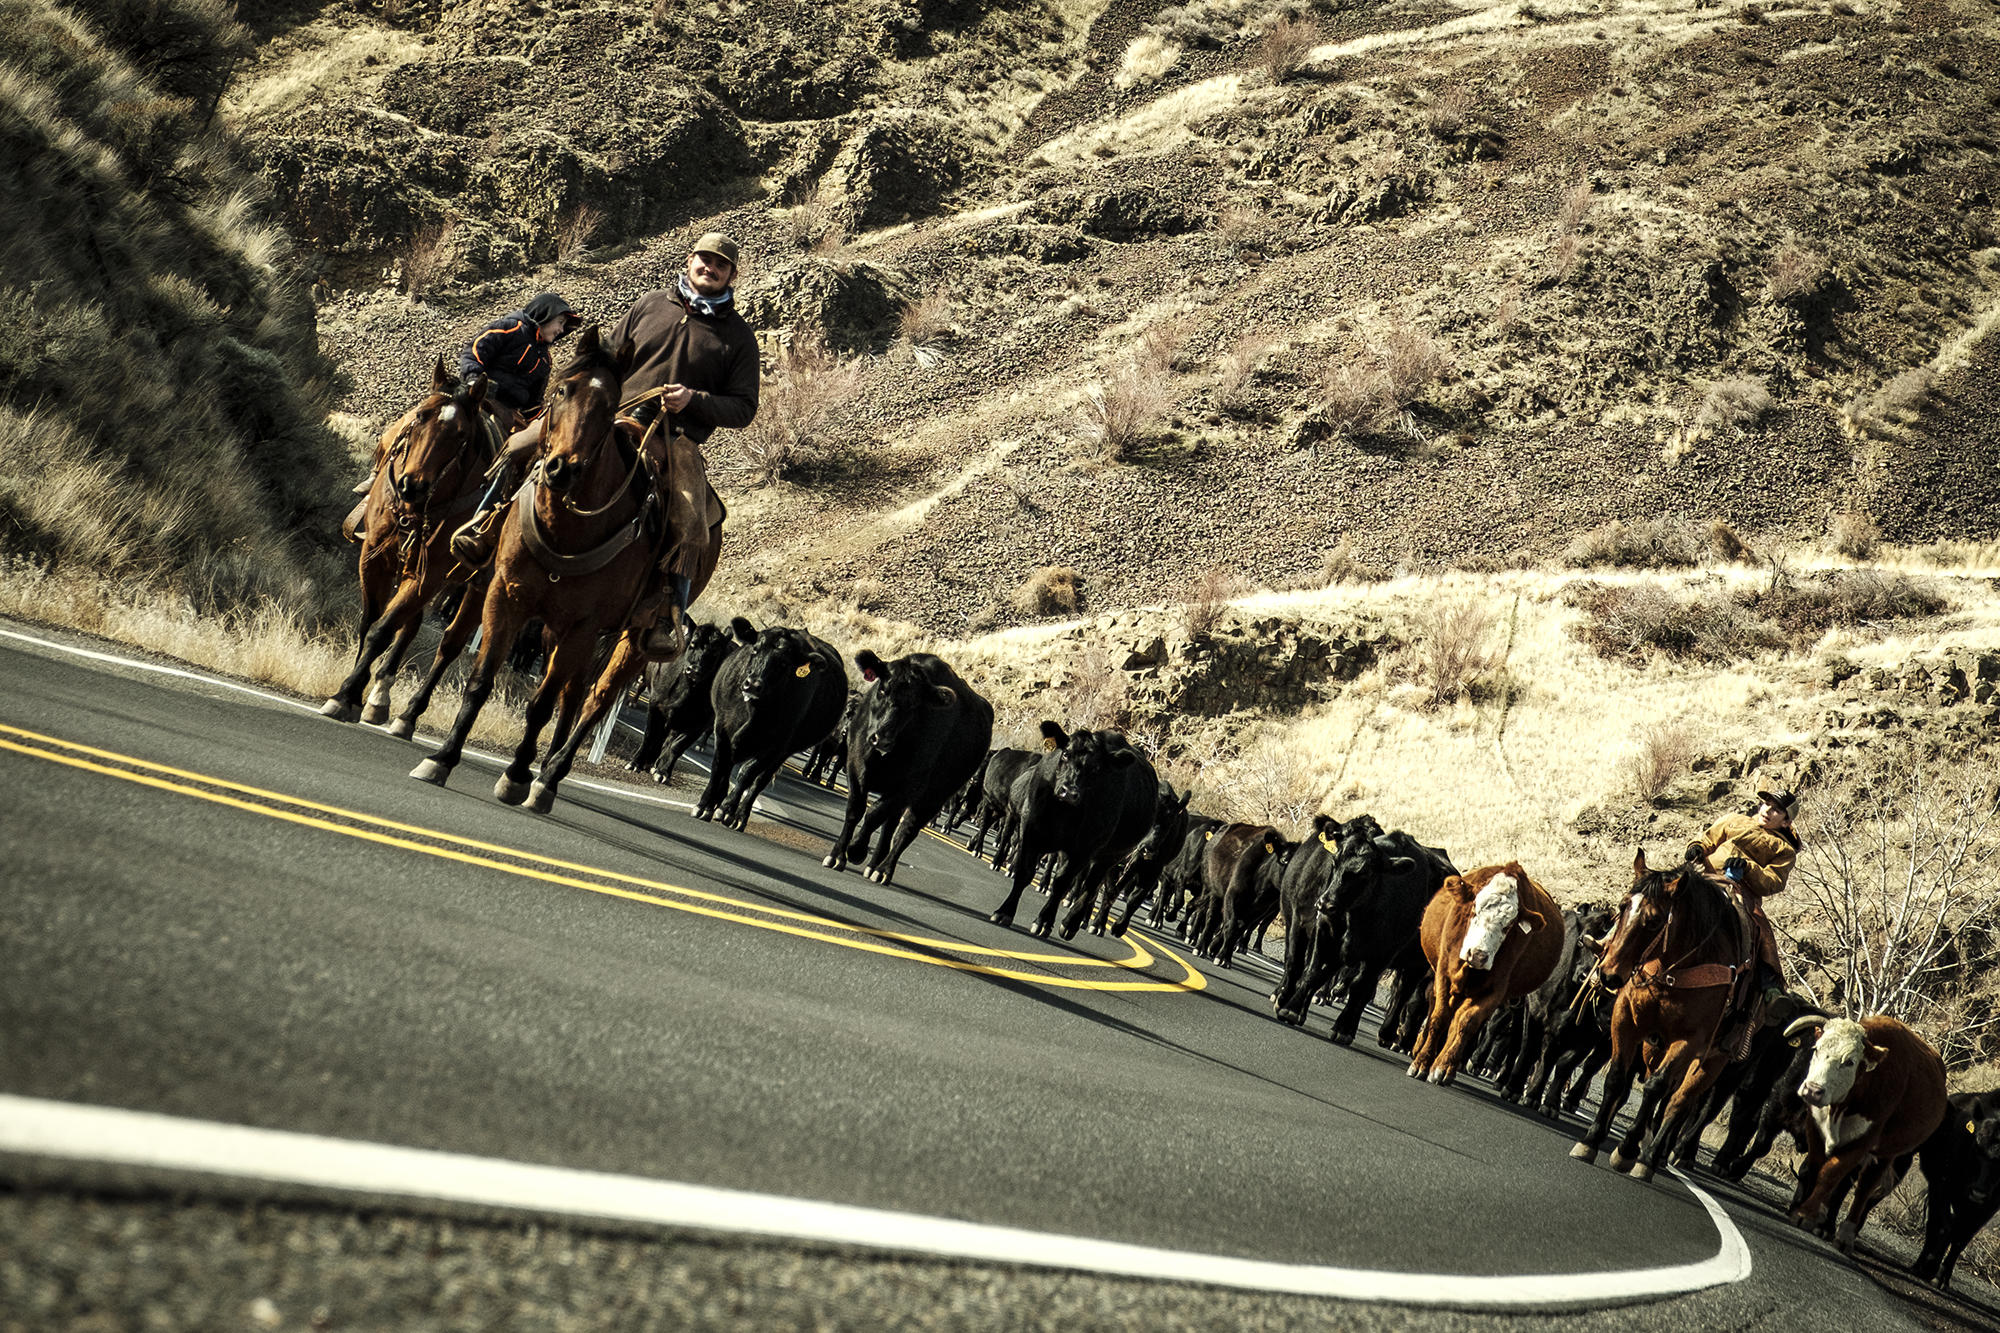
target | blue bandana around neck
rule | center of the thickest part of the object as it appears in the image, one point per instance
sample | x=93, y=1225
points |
x=705, y=305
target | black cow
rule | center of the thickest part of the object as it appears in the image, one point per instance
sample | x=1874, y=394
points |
x=1961, y=1163
x=1579, y=1038
x=1542, y=1010
x=919, y=735
x=778, y=695
x=1312, y=946
x=996, y=799
x=963, y=803
x=1375, y=900
x=827, y=757
x=1241, y=872
x=679, y=706
x=1181, y=875
x=1088, y=799
x=1139, y=876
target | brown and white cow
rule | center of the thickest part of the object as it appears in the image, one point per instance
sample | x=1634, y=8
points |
x=1490, y=936
x=1875, y=1090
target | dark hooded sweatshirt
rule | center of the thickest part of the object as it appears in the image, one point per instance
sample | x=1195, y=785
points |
x=510, y=353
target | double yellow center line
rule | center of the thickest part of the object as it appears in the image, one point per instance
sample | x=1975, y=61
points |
x=952, y=954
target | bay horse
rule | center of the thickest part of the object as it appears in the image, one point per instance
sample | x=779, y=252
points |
x=429, y=472
x=1673, y=958
x=577, y=549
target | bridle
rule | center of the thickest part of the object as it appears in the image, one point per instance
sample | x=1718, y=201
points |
x=1661, y=976
x=606, y=441
x=413, y=524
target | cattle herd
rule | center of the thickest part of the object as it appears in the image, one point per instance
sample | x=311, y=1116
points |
x=1487, y=974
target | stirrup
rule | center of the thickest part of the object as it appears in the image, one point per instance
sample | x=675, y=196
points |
x=472, y=544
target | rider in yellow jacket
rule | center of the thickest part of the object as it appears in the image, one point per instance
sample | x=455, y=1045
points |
x=1755, y=853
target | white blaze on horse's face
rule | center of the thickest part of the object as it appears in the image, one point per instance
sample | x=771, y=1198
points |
x=596, y=383
x=1493, y=913
x=449, y=412
x=1838, y=1058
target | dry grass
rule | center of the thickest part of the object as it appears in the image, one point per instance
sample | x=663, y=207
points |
x=1717, y=624
x=927, y=319
x=1056, y=590
x=794, y=431
x=1343, y=564
x=1662, y=753
x=1726, y=544
x=1736, y=404
x=1146, y=60
x=1371, y=394
x=1120, y=412
x=812, y=224
x=1853, y=534
x=1287, y=47
x=1451, y=111
x=1796, y=273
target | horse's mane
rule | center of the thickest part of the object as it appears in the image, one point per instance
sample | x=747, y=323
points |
x=1705, y=905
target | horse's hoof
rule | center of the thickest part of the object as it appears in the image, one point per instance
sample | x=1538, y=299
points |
x=402, y=729
x=704, y=812
x=1068, y=931
x=1621, y=1163
x=1441, y=1077
x=1415, y=1070
x=509, y=792
x=1039, y=930
x=375, y=714
x=431, y=771
x=1583, y=1152
x=1642, y=1172
x=832, y=862
x=340, y=711
x=541, y=798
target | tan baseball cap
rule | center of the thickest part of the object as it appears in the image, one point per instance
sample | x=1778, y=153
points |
x=716, y=243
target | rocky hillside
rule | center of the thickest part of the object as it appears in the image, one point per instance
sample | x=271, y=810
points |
x=1145, y=290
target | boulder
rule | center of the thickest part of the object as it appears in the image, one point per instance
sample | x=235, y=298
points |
x=899, y=166
x=856, y=306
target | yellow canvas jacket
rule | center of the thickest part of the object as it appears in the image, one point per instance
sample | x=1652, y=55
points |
x=1770, y=856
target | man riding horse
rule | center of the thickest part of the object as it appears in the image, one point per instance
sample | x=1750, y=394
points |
x=695, y=371
x=1754, y=853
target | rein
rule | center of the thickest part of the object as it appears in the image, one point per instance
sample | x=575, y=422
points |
x=413, y=527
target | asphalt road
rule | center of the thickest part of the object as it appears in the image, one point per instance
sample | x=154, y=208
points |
x=223, y=907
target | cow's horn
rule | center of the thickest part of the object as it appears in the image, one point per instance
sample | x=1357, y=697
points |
x=1798, y=1025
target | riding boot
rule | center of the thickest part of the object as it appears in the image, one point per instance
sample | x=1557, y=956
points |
x=474, y=541
x=667, y=635
x=350, y=527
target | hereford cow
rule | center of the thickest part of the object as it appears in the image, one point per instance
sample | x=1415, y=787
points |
x=920, y=733
x=1745, y=1087
x=1490, y=937
x=1874, y=1092
x=1089, y=799
x=778, y=695
x=1961, y=1163
x=679, y=706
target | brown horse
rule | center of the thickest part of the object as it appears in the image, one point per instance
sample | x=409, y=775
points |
x=577, y=549
x=428, y=475
x=1679, y=946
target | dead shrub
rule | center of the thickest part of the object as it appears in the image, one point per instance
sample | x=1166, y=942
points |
x=1804, y=608
x=1369, y=395
x=1737, y=404
x=1245, y=231
x=1664, y=751
x=1726, y=544
x=1287, y=47
x=1147, y=59
x=1905, y=393
x=426, y=260
x=810, y=222
x=576, y=232
x=1854, y=535
x=1453, y=650
x=1055, y=590
x=1796, y=274
x=1163, y=344
x=1239, y=366
x=793, y=430
x=1094, y=696
x=1650, y=543
x=1577, y=201
x=1344, y=565
x=1122, y=411
x=926, y=319
x=1207, y=600
x=1412, y=360
x=1632, y=623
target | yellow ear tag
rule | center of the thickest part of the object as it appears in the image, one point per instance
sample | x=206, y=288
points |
x=1210, y=837
x=804, y=671
x=1269, y=849
x=1328, y=843
x=1049, y=744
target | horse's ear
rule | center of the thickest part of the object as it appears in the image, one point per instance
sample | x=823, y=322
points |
x=475, y=390
x=588, y=344
x=626, y=357
x=441, y=379
x=1639, y=864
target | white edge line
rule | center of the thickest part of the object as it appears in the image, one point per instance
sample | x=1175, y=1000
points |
x=42, y=1128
